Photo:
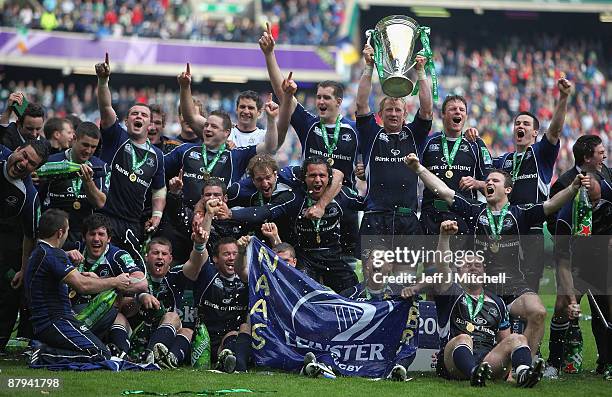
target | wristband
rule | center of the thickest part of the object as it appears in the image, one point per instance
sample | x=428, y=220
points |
x=199, y=247
x=421, y=74
x=158, y=214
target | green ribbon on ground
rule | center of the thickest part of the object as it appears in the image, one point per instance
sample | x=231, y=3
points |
x=429, y=66
x=204, y=392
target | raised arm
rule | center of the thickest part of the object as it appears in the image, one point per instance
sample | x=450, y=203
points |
x=330, y=192
x=365, y=83
x=555, y=203
x=107, y=113
x=431, y=181
x=14, y=97
x=92, y=285
x=195, y=120
x=199, y=254
x=94, y=195
x=447, y=229
x=558, y=119
x=270, y=144
x=242, y=267
x=289, y=88
x=425, y=99
x=266, y=43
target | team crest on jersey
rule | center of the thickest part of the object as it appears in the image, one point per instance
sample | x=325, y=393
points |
x=508, y=223
x=403, y=135
x=346, y=137
x=218, y=283
x=483, y=220
x=195, y=155
x=236, y=229
x=333, y=211
x=464, y=147
x=493, y=312
x=434, y=147
x=104, y=273
x=151, y=162
x=383, y=137
x=223, y=159
x=395, y=152
x=317, y=131
x=11, y=200
x=508, y=164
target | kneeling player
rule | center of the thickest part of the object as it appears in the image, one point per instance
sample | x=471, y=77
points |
x=475, y=338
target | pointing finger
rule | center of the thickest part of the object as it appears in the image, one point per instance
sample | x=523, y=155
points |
x=188, y=70
x=290, y=76
x=268, y=28
x=106, y=58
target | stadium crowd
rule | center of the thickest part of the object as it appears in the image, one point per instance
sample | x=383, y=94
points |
x=111, y=222
x=293, y=22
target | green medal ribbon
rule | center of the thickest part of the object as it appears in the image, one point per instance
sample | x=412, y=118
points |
x=93, y=267
x=77, y=183
x=330, y=148
x=154, y=289
x=260, y=199
x=316, y=223
x=136, y=164
x=429, y=66
x=473, y=312
x=377, y=52
x=212, y=164
x=516, y=166
x=450, y=158
x=496, y=228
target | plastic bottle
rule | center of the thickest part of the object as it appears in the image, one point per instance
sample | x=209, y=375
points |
x=200, y=350
x=97, y=308
x=572, y=361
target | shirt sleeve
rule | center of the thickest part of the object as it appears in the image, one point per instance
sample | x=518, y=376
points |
x=60, y=265
x=347, y=198
x=530, y=215
x=420, y=130
x=290, y=176
x=112, y=138
x=241, y=157
x=468, y=209
x=485, y=163
x=301, y=120
x=546, y=153
x=563, y=232
x=125, y=262
x=504, y=314
x=159, y=178
x=173, y=161
x=31, y=210
x=266, y=212
x=367, y=128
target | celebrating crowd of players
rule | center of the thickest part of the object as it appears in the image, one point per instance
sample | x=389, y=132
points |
x=165, y=222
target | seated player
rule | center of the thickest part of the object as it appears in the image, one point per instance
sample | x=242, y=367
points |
x=475, y=338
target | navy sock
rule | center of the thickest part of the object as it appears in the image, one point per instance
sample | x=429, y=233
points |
x=181, y=347
x=558, y=329
x=165, y=334
x=119, y=336
x=230, y=343
x=243, y=351
x=464, y=359
x=521, y=356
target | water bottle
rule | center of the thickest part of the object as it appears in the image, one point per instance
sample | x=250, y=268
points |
x=97, y=308
x=582, y=213
x=17, y=345
x=55, y=168
x=572, y=362
x=200, y=349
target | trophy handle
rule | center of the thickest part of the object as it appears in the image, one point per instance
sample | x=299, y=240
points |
x=369, y=34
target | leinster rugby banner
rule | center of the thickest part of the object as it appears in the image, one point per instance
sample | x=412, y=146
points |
x=291, y=314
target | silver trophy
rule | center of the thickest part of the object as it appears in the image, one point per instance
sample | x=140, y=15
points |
x=393, y=41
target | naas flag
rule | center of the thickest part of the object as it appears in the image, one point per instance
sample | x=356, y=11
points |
x=291, y=314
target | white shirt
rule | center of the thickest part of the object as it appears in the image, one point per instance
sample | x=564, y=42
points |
x=242, y=139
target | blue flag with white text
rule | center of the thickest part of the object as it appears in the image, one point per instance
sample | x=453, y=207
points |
x=291, y=314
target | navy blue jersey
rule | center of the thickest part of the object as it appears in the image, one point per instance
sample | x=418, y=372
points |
x=115, y=261
x=516, y=224
x=453, y=316
x=59, y=193
x=126, y=199
x=229, y=168
x=308, y=128
x=46, y=292
x=169, y=289
x=19, y=203
x=222, y=302
x=532, y=184
x=390, y=183
x=472, y=159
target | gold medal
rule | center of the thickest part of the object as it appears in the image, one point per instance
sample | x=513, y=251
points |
x=132, y=177
x=470, y=327
x=72, y=294
x=76, y=205
x=449, y=174
x=318, y=238
x=330, y=161
x=206, y=175
x=494, y=247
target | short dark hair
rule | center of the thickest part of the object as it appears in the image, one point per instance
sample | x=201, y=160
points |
x=32, y=110
x=161, y=241
x=51, y=221
x=74, y=120
x=95, y=221
x=508, y=182
x=316, y=160
x=338, y=88
x=263, y=160
x=40, y=146
x=250, y=94
x=536, y=122
x=223, y=241
x=139, y=104
x=87, y=128
x=280, y=247
x=227, y=120
x=155, y=108
x=214, y=181
x=53, y=124
x=585, y=147
x=450, y=98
